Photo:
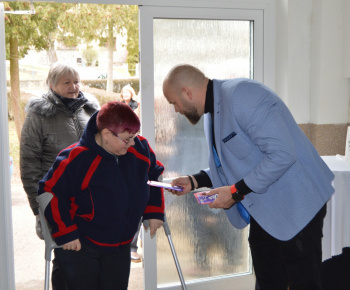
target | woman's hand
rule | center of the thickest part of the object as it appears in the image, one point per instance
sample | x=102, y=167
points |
x=154, y=224
x=73, y=245
x=185, y=182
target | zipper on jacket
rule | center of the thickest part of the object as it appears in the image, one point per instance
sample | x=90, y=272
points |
x=128, y=212
x=116, y=159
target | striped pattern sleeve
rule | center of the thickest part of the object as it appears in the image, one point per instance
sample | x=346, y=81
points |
x=155, y=206
x=63, y=183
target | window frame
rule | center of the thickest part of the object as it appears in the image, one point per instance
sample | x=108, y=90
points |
x=264, y=71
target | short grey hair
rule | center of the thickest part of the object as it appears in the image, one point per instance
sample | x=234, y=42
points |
x=58, y=70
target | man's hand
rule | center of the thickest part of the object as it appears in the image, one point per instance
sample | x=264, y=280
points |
x=224, y=198
x=154, y=224
x=73, y=245
x=183, y=181
x=38, y=229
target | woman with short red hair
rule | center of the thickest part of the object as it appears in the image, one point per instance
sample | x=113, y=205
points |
x=100, y=194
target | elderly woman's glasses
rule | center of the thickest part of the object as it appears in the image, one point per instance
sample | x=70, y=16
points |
x=126, y=141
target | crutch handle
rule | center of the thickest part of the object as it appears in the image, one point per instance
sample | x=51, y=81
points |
x=146, y=223
x=165, y=226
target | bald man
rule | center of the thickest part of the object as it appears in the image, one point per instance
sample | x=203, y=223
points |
x=264, y=169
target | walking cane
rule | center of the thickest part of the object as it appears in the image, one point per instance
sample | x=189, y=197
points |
x=168, y=234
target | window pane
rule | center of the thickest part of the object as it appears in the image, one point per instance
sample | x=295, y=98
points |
x=204, y=245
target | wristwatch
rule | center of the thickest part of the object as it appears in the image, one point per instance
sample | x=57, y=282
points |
x=235, y=194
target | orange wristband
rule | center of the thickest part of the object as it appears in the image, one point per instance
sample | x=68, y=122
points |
x=233, y=189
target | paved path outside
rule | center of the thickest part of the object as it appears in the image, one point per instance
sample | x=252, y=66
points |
x=29, y=249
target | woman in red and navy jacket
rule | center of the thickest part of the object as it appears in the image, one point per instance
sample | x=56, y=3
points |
x=100, y=193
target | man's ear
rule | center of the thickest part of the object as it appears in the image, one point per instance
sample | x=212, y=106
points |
x=187, y=92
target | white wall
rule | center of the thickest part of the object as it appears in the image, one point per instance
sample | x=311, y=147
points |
x=310, y=59
x=293, y=57
x=330, y=90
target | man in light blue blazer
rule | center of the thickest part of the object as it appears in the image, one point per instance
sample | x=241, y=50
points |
x=264, y=169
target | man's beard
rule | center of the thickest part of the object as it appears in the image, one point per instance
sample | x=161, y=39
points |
x=192, y=115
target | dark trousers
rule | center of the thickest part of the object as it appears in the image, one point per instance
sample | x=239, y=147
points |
x=57, y=278
x=90, y=269
x=295, y=263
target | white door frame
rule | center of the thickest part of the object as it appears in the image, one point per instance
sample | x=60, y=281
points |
x=7, y=271
x=264, y=69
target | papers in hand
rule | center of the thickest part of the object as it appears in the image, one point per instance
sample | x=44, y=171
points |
x=202, y=198
x=164, y=185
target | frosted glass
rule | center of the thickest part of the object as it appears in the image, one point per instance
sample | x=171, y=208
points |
x=207, y=245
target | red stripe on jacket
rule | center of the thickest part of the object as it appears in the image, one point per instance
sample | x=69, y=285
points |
x=90, y=172
x=149, y=209
x=84, y=186
x=66, y=231
x=62, y=167
x=150, y=149
x=143, y=139
x=109, y=245
x=140, y=156
x=160, y=164
x=62, y=229
x=69, y=147
x=49, y=184
x=156, y=209
x=87, y=216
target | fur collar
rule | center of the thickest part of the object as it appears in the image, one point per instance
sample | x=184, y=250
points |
x=48, y=104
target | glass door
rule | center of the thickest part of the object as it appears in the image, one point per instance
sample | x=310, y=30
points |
x=223, y=43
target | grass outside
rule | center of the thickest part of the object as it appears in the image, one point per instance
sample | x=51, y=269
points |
x=14, y=151
x=13, y=143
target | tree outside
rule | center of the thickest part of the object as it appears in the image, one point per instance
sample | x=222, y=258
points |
x=81, y=33
x=23, y=32
x=33, y=42
x=103, y=23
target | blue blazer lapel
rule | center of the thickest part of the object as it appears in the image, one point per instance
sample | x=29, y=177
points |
x=217, y=116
